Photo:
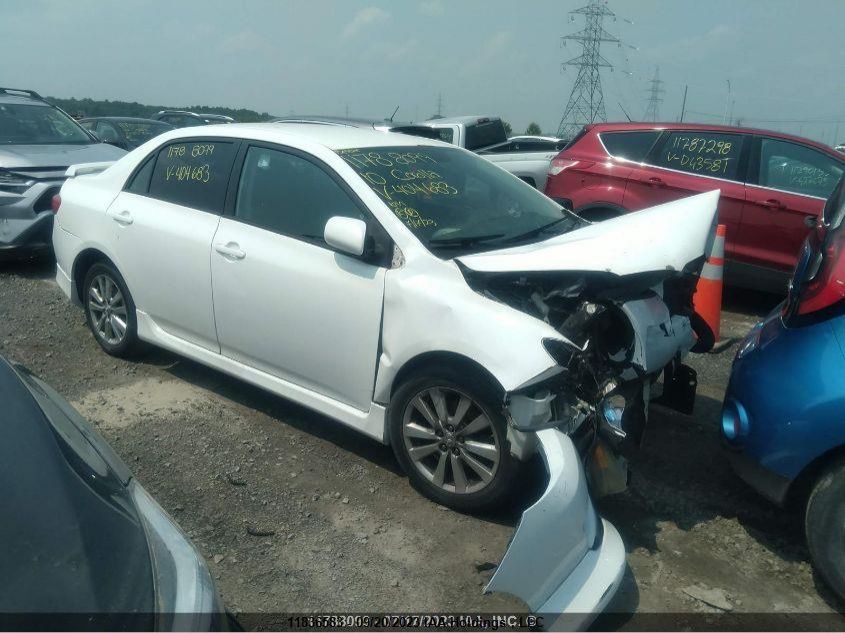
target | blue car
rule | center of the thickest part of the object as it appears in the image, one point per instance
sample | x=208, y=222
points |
x=783, y=419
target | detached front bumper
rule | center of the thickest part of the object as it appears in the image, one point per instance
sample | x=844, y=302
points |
x=564, y=561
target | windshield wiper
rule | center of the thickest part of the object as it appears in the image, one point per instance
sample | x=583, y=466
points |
x=535, y=232
x=466, y=241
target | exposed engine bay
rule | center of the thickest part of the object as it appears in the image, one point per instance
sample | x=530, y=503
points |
x=618, y=334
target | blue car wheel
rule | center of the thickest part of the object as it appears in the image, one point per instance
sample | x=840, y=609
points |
x=825, y=526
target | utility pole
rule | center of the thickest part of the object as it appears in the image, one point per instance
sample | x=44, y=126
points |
x=655, y=98
x=684, y=103
x=727, y=100
x=586, y=101
x=439, y=105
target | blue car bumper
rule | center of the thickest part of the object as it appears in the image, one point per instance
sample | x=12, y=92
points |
x=785, y=403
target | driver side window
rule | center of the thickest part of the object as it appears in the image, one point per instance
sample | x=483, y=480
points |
x=287, y=194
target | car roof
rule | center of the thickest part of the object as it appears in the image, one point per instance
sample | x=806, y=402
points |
x=129, y=119
x=209, y=115
x=534, y=137
x=464, y=120
x=196, y=114
x=703, y=127
x=337, y=120
x=333, y=137
x=13, y=98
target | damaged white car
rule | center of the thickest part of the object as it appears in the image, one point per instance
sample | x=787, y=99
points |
x=414, y=292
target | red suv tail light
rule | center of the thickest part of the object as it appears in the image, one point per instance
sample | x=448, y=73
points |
x=55, y=203
x=827, y=286
x=560, y=164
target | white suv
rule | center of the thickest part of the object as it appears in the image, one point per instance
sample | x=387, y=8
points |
x=412, y=291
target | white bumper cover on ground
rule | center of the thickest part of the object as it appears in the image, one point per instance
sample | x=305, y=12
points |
x=563, y=561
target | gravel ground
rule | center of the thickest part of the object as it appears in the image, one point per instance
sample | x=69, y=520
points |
x=296, y=513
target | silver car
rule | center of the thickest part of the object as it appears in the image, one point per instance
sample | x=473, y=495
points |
x=38, y=142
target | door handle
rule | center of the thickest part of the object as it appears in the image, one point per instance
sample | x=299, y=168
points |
x=231, y=250
x=122, y=217
x=773, y=203
x=655, y=182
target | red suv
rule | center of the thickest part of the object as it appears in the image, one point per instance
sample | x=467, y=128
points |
x=772, y=185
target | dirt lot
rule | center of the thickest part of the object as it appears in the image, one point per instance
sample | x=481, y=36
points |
x=343, y=529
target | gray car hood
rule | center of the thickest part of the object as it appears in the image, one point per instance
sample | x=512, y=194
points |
x=29, y=156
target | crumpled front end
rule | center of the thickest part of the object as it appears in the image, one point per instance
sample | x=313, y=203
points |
x=26, y=217
x=619, y=323
x=564, y=561
x=616, y=336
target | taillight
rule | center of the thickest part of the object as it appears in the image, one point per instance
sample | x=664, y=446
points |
x=827, y=286
x=560, y=164
x=55, y=203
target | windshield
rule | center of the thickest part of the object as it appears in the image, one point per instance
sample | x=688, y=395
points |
x=138, y=132
x=22, y=124
x=456, y=202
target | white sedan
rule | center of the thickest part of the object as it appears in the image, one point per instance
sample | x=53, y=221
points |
x=413, y=291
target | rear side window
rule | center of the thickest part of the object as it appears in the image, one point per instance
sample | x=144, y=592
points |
x=485, y=133
x=797, y=168
x=702, y=153
x=193, y=174
x=629, y=145
x=140, y=182
x=288, y=194
x=446, y=134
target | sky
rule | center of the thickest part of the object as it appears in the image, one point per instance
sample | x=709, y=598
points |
x=783, y=59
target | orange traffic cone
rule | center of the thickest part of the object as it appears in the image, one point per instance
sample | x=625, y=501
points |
x=707, y=300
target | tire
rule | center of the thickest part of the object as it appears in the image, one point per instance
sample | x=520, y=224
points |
x=599, y=215
x=438, y=462
x=108, y=303
x=824, y=524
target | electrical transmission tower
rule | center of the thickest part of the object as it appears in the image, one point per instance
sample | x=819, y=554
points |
x=586, y=101
x=655, y=98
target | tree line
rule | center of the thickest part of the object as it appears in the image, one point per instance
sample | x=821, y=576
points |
x=95, y=107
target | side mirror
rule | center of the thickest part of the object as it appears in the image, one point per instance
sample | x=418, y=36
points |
x=346, y=234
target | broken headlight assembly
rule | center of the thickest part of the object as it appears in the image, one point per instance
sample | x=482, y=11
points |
x=612, y=411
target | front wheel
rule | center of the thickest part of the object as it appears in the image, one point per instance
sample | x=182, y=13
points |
x=450, y=436
x=824, y=523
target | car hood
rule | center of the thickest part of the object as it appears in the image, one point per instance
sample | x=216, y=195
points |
x=74, y=543
x=666, y=237
x=28, y=156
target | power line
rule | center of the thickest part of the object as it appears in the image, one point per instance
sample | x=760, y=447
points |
x=586, y=101
x=655, y=98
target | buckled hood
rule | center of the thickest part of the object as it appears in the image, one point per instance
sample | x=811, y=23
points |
x=666, y=237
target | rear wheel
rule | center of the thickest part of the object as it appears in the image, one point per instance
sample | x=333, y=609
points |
x=824, y=522
x=110, y=311
x=450, y=437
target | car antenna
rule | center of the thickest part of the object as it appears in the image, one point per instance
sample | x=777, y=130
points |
x=626, y=114
x=394, y=114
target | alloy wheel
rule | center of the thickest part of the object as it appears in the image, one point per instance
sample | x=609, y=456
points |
x=107, y=308
x=451, y=440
